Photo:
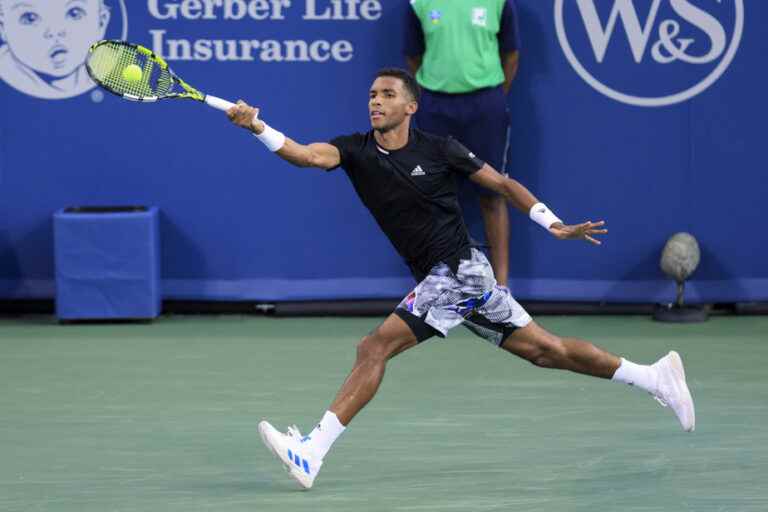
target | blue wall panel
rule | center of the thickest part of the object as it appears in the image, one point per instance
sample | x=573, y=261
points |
x=238, y=223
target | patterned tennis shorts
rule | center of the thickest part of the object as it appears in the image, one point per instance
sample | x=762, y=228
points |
x=470, y=296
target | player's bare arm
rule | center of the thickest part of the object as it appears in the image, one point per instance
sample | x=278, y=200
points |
x=318, y=154
x=522, y=199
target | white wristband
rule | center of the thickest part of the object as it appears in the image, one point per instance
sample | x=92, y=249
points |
x=273, y=139
x=543, y=216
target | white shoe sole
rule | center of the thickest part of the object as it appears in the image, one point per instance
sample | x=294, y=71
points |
x=681, y=390
x=297, y=476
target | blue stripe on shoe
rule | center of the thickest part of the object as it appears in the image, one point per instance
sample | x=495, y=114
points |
x=290, y=454
x=306, y=466
x=296, y=459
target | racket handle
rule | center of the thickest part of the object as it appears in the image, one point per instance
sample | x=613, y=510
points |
x=218, y=103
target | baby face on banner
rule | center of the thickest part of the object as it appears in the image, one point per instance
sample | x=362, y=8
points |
x=52, y=37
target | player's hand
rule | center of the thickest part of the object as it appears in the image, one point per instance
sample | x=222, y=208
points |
x=584, y=231
x=246, y=116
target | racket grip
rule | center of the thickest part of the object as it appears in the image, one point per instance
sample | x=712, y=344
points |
x=218, y=103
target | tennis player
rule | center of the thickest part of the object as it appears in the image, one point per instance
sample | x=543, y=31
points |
x=406, y=179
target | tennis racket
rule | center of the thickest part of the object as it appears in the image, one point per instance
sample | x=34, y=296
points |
x=107, y=62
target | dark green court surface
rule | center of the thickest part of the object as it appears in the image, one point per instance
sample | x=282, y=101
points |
x=162, y=417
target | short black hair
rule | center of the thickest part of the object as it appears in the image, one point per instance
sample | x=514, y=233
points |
x=410, y=83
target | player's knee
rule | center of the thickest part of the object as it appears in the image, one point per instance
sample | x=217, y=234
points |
x=371, y=348
x=547, y=354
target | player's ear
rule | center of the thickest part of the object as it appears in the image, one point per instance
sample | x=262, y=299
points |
x=412, y=107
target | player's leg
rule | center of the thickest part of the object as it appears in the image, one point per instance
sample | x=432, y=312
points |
x=303, y=455
x=500, y=320
x=546, y=350
x=664, y=380
x=386, y=341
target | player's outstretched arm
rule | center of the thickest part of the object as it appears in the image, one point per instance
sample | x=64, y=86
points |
x=522, y=199
x=319, y=154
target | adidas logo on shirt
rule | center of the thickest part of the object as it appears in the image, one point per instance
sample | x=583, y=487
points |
x=418, y=171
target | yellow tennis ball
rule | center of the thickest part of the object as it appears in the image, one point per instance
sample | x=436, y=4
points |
x=132, y=73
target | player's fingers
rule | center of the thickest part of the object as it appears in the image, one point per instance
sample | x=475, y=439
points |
x=597, y=231
x=583, y=229
x=244, y=112
x=593, y=240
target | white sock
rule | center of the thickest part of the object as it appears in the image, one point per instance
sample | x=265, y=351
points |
x=640, y=375
x=325, y=434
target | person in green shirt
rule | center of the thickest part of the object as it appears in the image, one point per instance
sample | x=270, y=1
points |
x=464, y=54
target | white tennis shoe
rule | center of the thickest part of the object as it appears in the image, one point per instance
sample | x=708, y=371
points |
x=293, y=452
x=673, y=391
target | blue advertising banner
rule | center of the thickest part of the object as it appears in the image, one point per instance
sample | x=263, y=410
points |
x=648, y=114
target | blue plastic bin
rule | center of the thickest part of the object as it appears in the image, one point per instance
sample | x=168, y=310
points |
x=107, y=263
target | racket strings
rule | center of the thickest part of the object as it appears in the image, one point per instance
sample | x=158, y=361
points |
x=107, y=62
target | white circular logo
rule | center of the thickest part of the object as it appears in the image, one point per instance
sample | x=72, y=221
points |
x=44, y=43
x=653, y=54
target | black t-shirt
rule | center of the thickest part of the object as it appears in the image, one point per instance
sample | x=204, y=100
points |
x=411, y=193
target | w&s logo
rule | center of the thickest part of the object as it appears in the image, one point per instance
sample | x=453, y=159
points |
x=649, y=53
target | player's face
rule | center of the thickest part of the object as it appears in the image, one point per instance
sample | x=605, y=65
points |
x=389, y=103
x=52, y=36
